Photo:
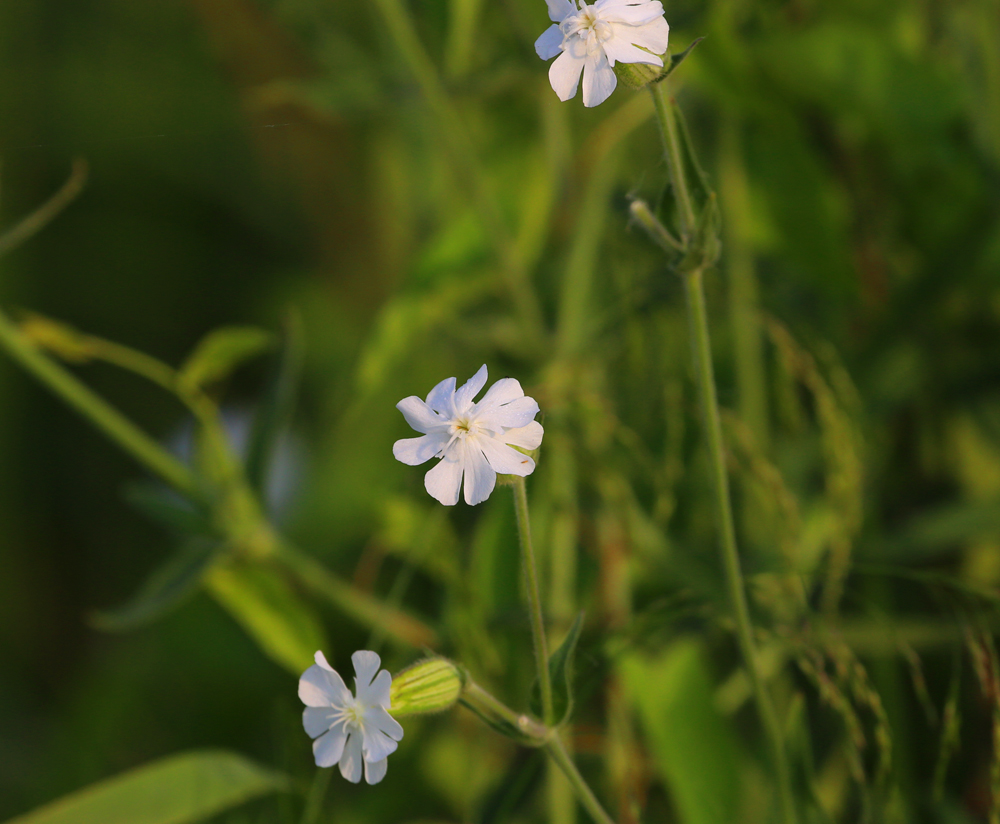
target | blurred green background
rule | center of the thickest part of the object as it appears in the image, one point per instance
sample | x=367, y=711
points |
x=251, y=158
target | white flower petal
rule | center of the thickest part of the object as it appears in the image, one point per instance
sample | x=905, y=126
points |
x=480, y=477
x=653, y=36
x=380, y=720
x=443, y=481
x=526, y=437
x=350, y=761
x=511, y=415
x=634, y=15
x=469, y=390
x=376, y=694
x=505, y=405
x=440, y=397
x=322, y=687
x=504, y=460
x=415, y=451
x=559, y=10
x=376, y=772
x=320, y=659
x=503, y=391
x=599, y=80
x=366, y=664
x=376, y=745
x=419, y=415
x=549, y=43
x=619, y=50
x=329, y=747
x=317, y=720
x=564, y=74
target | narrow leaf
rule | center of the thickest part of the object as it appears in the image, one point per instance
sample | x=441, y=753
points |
x=160, y=504
x=689, y=740
x=220, y=352
x=677, y=59
x=164, y=590
x=561, y=676
x=270, y=611
x=182, y=788
x=276, y=405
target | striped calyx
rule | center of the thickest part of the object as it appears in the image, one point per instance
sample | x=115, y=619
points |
x=431, y=685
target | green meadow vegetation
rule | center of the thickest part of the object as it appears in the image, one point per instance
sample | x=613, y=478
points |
x=234, y=234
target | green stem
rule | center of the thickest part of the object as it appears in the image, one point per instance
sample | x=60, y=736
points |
x=557, y=751
x=530, y=732
x=657, y=232
x=730, y=554
x=42, y=216
x=534, y=601
x=98, y=411
x=317, y=792
x=359, y=605
x=675, y=161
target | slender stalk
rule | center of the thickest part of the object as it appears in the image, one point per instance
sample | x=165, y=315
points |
x=672, y=147
x=530, y=732
x=493, y=711
x=659, y=233
x=361, y=606
x=557, y=751
x=317, y=792
x=730, y=553
x=43, y=215
x=98, y=411
x=534, y=601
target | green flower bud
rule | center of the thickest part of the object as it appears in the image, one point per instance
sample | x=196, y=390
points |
x=431, y=685
x=639, y=75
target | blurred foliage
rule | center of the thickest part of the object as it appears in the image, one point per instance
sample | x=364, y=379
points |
x=401, y=182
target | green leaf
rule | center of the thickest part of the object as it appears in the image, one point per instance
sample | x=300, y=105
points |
x=561, y=676
x=705, y=245
x=276, y=406
x=166, y=507
x=220, y=352
x=701, y=187
x=677, y=59
x=182, y=788
x=639, y=75
x=689, y=740
x=270, y=611
x=164, y=590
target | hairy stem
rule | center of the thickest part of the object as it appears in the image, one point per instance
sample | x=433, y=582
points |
x=720, y=481
x=530, y=732
x=557, y=751
x=534, y=601
x=730, y=554
x=675, y=160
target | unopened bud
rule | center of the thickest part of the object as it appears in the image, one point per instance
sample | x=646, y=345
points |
x=639, y=75
x=431, y=685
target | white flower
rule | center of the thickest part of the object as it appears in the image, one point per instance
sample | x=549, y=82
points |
x=471, y=439
x=593, y=38
x=350, y=729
